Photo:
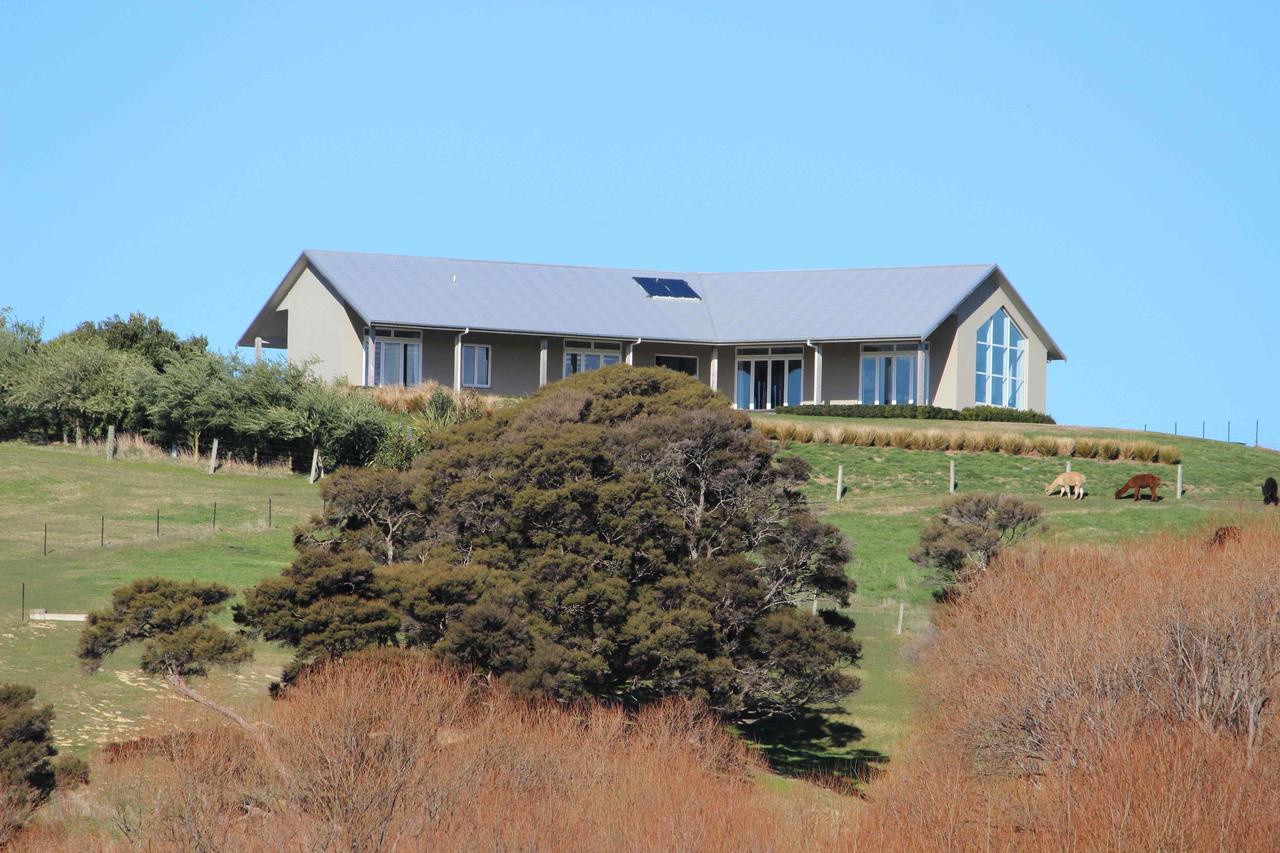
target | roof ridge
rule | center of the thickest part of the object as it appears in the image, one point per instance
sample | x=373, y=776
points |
x=310, y=252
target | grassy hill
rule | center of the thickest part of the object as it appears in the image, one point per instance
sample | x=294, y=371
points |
x=889, y=496
x=72, y=492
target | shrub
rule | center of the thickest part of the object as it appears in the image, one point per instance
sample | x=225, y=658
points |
x=1108, y=449
x=972, y=413
x=450, y=762
x=991, y=441
x=1082, y=699
x=970, y=531
x=996, y=413
x=901, y=438
x=26, y=745
x=1169, y=454
x=70, y=771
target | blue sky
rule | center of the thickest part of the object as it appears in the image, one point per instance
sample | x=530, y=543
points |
x=1121, y=162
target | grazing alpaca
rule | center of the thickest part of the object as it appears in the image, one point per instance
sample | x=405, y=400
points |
x=1137, y=483
x=1071, y=483
x=1223, y=535
x=1270, y=495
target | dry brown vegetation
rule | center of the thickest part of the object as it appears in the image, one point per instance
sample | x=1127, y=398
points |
x=1100, y=697
x=422, y=398
x=974, y=441
x=392, y=751
x=1087, y=697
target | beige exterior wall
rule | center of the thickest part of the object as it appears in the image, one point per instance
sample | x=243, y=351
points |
x=956, y=345
x=324, y=331
x=840, y=372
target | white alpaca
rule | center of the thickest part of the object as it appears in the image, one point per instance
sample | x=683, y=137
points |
x=1069, y=484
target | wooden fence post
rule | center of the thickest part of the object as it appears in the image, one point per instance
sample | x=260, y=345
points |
x=902, y=609
x=213, y=457
x=839, y=482
x=1179, y=490
x=111, y=441
x=315, y=463
x=1068, y=466
x=951, y=483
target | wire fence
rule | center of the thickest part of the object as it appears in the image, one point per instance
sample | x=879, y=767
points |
x=58, y=532
x=1247, y=433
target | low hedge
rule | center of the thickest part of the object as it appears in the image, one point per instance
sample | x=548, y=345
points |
x=921, y=413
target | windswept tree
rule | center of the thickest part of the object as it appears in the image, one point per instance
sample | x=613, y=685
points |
x=622, y=535
x=170, y=619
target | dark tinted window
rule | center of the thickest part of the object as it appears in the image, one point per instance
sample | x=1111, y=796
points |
x=680, y=363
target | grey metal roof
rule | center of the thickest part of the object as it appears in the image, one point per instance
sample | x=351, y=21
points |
x=902, y=302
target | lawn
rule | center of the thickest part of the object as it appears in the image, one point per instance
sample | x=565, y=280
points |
x=889, y=496
x=72, y=492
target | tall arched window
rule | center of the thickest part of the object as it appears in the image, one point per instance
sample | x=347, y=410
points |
x=1002, y=363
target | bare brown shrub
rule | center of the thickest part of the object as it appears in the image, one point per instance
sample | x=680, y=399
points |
x=1091, y=697
x=391, y=751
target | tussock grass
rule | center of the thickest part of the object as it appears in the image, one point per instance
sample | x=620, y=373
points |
x=986, y=441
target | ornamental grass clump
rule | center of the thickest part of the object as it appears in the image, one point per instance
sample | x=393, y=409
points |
x=1046, y=445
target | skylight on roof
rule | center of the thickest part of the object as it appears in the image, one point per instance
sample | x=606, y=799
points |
x=671, y=288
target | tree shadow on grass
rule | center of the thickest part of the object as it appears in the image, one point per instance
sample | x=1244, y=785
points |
x=818, y=747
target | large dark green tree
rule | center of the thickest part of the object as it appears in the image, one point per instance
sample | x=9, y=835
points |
x=622, y=535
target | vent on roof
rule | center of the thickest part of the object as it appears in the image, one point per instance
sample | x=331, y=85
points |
x=671, y=288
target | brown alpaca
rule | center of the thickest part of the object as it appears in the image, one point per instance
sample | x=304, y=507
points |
x=1069, y=484
x=1137, y=483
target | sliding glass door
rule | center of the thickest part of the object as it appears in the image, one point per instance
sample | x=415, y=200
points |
x=889, y=374
x=769, y=377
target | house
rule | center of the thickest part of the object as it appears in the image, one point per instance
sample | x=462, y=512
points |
x=952, y=336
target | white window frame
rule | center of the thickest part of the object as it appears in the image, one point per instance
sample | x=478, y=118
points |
x=697, y=363
x=488, y=362
x=988, y=373
x=772, y=354
x=893, y=351
x=584, y=346
x=400, y=337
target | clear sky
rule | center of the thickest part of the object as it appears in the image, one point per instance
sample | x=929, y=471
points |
x=1120, y=161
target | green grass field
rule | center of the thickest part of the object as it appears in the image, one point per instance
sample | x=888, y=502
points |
x=72, y=492
x=890, y=495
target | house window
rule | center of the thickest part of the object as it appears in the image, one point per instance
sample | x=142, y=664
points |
x=679, y=363
x=397, y=357
x=769, y=377
x=1000, y=378
x=889, y=374
x=475, y=365
x=581, y=356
